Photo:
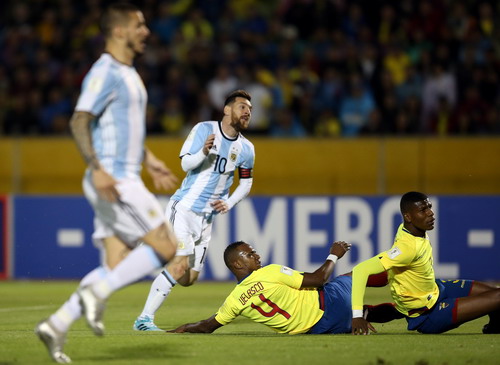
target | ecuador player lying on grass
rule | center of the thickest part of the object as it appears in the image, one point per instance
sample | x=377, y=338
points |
x=290, y=301
x=429, y=305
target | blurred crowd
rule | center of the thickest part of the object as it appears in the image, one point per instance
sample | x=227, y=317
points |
x=313, y=67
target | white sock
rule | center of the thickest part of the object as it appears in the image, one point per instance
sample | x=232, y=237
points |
x=71, y=310
x=159, y=291
x=142, y=261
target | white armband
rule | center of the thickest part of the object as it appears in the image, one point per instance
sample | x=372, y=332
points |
x=357, y=313
x=332, y=257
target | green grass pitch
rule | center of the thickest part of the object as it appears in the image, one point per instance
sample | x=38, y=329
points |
x=23, y=304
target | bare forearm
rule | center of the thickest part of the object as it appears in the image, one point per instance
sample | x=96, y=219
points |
x=320, y=276
x=206, y=326
x=79, y=125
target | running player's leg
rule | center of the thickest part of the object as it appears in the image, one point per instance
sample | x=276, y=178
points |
x=52, y=331
x=71, y=310
x=136, y=217
x=187, y=226
x=159, y=291
x=183, y=269
x=197, y=260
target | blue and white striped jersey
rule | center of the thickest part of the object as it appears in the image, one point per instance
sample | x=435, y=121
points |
x=212, y=179
x=115, y=94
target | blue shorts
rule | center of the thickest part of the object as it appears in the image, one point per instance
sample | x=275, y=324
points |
x=337, y=317
x=442, y=316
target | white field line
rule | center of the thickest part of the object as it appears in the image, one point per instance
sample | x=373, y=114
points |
x=32, y=308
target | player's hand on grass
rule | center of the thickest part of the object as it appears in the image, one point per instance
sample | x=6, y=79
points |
x=220, y=206
x=180, y=329
x=339, y=248
x=104, y=183
x=361, y=326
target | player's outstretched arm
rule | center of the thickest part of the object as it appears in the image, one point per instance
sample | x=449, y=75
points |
x=322, y=274
x=360, y=274
x=206, y=326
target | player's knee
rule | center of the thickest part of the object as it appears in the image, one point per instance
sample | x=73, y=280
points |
x=188, y=281
x=178, y=269
x=163, y=241
x=189, y=278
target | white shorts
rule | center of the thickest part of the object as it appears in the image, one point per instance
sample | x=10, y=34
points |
x=135, y=214
x=193, y=230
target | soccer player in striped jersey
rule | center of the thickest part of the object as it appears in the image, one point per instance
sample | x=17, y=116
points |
x=289, y=301
x=108, y=126
x=429, y=305
x=210, y=155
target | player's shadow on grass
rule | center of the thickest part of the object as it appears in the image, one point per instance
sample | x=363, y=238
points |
x=139, y=352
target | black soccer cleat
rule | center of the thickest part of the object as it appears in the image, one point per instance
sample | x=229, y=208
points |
x=489, y=329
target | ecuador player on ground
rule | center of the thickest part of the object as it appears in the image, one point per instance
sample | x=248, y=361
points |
x=429, y=305
x=286, y=300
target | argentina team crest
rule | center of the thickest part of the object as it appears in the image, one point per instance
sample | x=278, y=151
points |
x=233, y=155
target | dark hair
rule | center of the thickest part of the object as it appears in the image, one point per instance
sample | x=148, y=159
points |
x=230, y=252
x=410, y=198
x=115, y=13
x=237, y=94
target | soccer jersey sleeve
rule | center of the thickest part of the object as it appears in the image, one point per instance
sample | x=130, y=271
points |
x=228, y=311
x=98, y=90
x=287, y=276
x=249, y=157
x=196, y=139
x=360, y=275
x=401, y=254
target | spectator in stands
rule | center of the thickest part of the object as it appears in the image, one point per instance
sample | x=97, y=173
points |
x=46, y=45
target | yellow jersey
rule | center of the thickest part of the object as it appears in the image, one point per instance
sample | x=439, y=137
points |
x=411, y=274
x=272, y=296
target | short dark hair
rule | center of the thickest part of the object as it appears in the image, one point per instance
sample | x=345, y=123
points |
x=410, y=198
x=230, y=252
x=237, y=94
x=114, y=14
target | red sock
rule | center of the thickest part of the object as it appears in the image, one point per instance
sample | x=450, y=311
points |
x=378, y=280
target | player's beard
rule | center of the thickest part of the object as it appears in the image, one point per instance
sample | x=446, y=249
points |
x=238, y=123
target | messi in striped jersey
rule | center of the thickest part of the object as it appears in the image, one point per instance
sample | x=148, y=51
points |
x=211, y=154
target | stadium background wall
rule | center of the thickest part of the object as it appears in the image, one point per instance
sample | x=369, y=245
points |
x=51, y=235
x=367, y=166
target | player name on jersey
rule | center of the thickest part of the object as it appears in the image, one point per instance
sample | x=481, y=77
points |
x=254, y=289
